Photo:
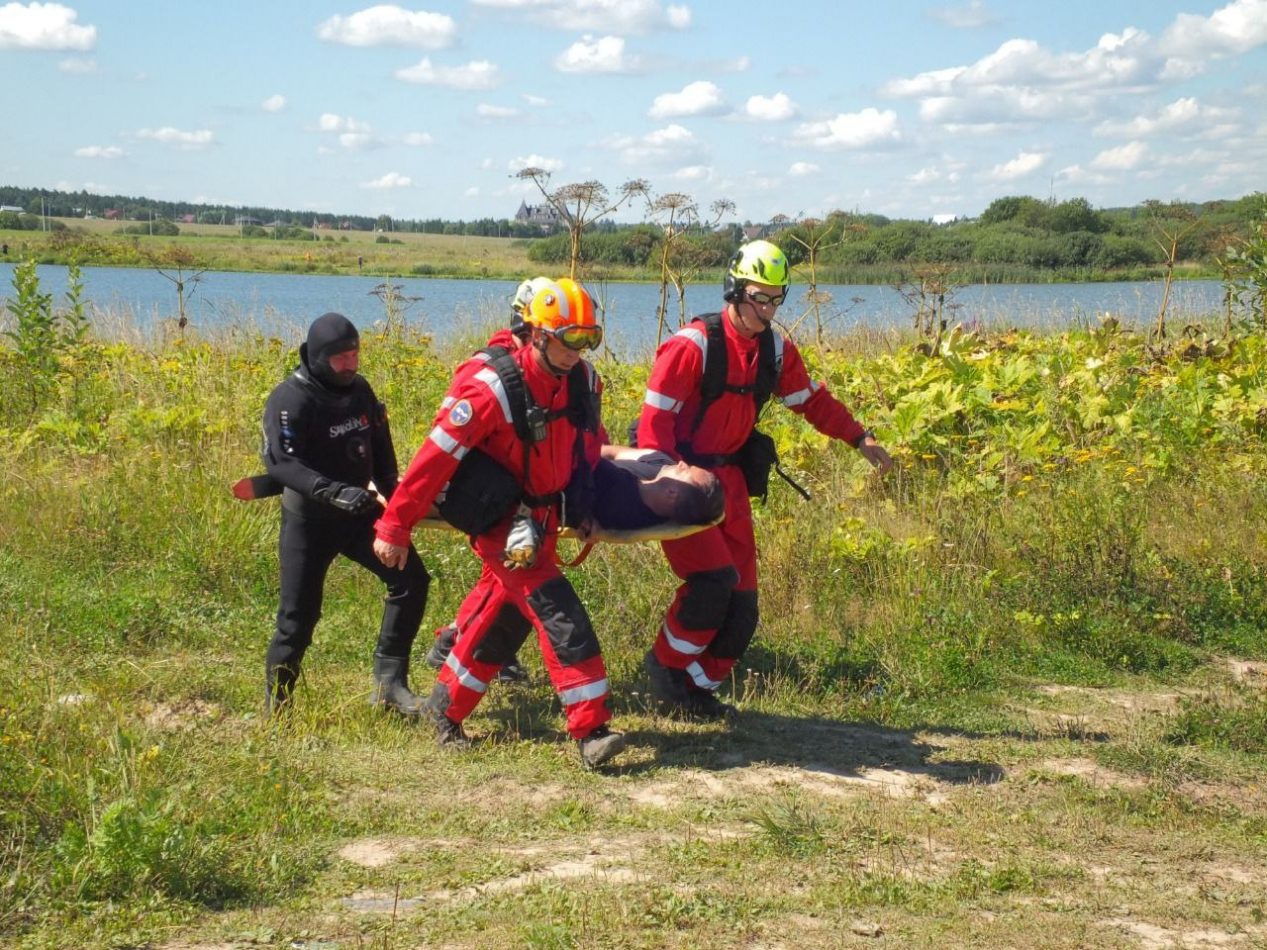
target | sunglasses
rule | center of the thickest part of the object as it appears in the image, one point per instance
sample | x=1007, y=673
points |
x=578, y=338
x=772, y=300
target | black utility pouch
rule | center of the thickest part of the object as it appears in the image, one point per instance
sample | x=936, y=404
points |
x=755, y=458
x=481, y=493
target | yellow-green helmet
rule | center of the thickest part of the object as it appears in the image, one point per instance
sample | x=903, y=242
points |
x=757, y=262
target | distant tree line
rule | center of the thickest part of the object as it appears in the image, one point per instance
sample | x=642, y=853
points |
x=77, y=204
x=1016, y=232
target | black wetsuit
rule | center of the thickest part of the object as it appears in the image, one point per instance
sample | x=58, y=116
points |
x=315, y=437
x=617, y=503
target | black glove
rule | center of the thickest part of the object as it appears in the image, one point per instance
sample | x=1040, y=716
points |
x=349, y=498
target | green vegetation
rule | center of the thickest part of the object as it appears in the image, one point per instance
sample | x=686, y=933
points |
x=1017, y=238
x=989, y=703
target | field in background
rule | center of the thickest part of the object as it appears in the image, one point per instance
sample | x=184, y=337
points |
x=219, y=247
x=1014, y=695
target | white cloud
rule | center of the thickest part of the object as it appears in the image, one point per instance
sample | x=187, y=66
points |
x=1024, y=164
x=1077, y=175
x=329, y=122
x=187, y=141
x=472, y=192
x=925, y=176
x=693, y=173
x=696, y=98
x=671, y=146
x=603, y=55
x=388, y=25
x=43, y=26
x=851, y=130
x=519, y=163
x=944, y=218
x=274, y=103
x=1182, y=114
x=486, y=111
x=537, y=101
x=353, y=134
x=968, y=16
x=1122, y=158
x=418, y=139
x=1023, y=81
x=802, y=169
x=477, y=74
x=390, y=180
x=621, y=17
x=1236, y=28
x=77, y=65
x=770, y=108
x=99, y=151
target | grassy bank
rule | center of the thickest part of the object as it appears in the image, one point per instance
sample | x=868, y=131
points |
x=1012, y=696
x=220, y=247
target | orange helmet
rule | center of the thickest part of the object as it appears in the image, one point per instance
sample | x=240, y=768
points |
x=564, y=310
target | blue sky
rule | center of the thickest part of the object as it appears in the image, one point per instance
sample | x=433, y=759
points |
x=908, y=109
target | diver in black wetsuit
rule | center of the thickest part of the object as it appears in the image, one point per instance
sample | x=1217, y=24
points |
x=325, y=438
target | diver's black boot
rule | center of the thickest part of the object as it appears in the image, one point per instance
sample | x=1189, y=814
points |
x=279, y=684
x=391, y=686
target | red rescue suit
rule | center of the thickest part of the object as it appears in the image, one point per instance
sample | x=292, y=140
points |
x=714, y=613
x=476, y=413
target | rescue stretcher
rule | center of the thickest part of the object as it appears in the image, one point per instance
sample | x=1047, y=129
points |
x=264, y=486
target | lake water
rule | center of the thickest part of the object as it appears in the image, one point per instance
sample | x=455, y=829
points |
x=283, y=303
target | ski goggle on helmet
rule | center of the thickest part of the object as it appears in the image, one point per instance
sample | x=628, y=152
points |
x=562, y=309
x=757, y=262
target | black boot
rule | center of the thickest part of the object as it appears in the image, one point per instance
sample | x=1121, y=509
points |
x=703, y=705
x=443, y=646
x=449, y=734
x=668, y=686
x=600, y=746
x=512, y=672
x=391, y=686
x=279, y=684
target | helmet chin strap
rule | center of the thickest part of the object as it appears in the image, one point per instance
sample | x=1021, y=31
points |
x=752, y=314
x=540, y=344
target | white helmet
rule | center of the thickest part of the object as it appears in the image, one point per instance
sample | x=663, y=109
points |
x=522, y=300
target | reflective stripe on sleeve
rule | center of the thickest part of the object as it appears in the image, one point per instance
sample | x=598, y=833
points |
x=489, y=378
x=579, y=694
x=447, y=444
x=660, y=401
x=698, y=337
x=801, y=396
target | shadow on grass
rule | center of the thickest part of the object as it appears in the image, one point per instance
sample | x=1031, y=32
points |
x=848, y=750
x=815, y=744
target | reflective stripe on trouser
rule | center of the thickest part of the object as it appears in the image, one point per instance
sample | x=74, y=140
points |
x=569, y=645
x=713, y=615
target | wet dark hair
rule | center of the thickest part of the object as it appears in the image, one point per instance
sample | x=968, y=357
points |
x=699, y=505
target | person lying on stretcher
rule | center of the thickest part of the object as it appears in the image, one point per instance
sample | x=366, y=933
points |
x=636, y=489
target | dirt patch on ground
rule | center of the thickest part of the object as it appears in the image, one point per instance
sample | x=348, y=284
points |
x=1248, y=671
x=180, y=716
x=1153, y=937
x=1091, y=772
x=606, y=858
x=698, y=785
